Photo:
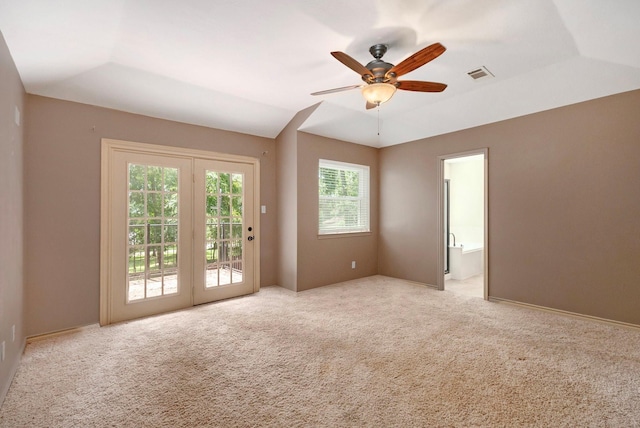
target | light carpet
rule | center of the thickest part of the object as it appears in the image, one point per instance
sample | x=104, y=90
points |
x=373, y=352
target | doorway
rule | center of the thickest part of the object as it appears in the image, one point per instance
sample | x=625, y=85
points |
x=178, y=228
x=463, y=209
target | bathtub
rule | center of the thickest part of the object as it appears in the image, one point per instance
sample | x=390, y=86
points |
x=466, y=260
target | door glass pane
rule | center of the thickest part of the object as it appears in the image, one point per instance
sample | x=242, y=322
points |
x=154, y=286
x=152, y=232
x=170, y=234
x=137, y=177
x=136, y=204
x=137, y=263
x=236, y=272
x=170, y=259
x=225, y=274
x=211, y=183
x=236, y=206
x=225, y=209
x=154, y=178
x=236, y=184
x=223, y=251
x=211, y=251
x=154, y=256
x=212, y=276
x=170, y=205
x=225, y=183
x=212, y=206
x=154, y=205
x=136, y=233
x=170, y=179
x=223, y=228
x=236, y=229
x=170, y=283
x=155, y=232
x=137, y=270
x=212, y=229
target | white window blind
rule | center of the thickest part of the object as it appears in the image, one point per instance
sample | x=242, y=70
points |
x=343, y=190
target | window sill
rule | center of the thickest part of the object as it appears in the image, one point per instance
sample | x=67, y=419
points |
x=344, y=235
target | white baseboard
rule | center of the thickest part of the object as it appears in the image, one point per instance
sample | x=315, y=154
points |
x=43, y=336
x=565, y=313
x=422, y=284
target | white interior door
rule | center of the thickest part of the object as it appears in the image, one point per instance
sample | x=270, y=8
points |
x=151, y=224
x=224, y=230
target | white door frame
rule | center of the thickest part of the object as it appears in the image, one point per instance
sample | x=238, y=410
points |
x=108, y=148
x=441, y=160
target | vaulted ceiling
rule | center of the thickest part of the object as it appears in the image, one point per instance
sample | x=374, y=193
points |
x=250, y=65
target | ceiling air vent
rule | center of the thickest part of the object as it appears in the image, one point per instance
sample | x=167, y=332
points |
x=480, y=73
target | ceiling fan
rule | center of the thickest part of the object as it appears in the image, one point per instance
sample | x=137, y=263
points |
x=380, y=77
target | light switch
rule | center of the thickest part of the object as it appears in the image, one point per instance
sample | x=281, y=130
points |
x=263, y=209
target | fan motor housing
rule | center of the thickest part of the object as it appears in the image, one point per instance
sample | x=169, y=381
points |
x=378, y=67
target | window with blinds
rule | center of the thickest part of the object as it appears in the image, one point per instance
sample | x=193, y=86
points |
x=343, y=190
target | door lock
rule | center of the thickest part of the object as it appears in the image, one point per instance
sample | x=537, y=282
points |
x=250, y=238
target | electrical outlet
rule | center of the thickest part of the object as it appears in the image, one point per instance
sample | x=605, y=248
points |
x=353, y=264
x=2, y=352
x=13, y=333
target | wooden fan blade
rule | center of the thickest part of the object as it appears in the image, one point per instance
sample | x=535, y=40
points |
x=331, y=91
x=418, y=86
x=371, y=105
x=352, y=63
x=418, y=59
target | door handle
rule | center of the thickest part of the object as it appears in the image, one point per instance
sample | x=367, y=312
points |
x=250, y=238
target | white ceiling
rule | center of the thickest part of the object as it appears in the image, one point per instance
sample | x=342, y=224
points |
x=250, y=65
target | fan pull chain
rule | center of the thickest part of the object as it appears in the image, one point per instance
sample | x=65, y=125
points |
x=378, y=119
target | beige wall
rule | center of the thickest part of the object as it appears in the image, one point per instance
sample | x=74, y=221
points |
x=12, y=96
x=306, y=261
x=287, y=169
x=323, y=261
x=564, y=207
x=62, y=200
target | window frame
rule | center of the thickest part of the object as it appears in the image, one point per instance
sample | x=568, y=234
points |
x=364, y=196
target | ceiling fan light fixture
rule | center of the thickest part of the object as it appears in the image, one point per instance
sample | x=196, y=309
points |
x=378, y=93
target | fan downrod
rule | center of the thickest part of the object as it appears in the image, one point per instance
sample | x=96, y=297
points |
x=378, y=50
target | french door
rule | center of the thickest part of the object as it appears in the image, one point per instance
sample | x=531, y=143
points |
x=177, y=230
x=224, y=231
